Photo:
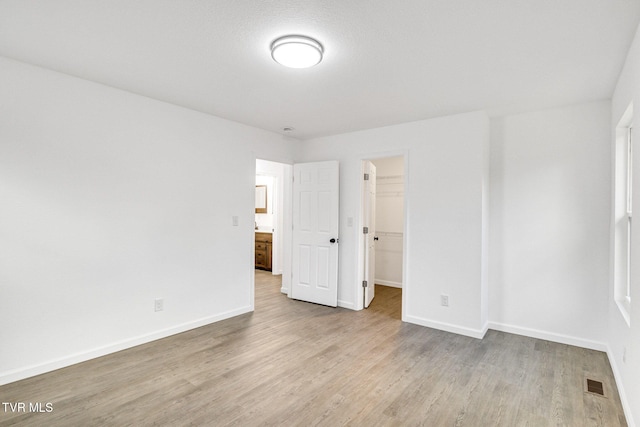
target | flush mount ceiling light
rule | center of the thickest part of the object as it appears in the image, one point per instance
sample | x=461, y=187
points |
x=296, y=51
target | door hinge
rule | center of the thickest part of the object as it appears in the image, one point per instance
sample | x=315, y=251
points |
x=364, y=284
x=366, y=177
x=365, y=230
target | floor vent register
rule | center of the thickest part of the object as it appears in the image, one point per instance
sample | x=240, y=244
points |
x=595, y=387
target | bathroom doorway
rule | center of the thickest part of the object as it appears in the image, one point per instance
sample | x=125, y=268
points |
x=273, y=222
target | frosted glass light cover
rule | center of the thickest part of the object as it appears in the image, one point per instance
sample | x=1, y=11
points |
x=296, y=51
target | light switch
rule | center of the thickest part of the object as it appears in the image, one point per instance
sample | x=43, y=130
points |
x=234, y=221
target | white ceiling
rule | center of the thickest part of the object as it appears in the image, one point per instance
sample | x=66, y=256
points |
x=386, y=62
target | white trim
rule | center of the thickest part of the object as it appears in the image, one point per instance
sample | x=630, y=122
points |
x=346, y=304
x=549, y=336
x=405, y=237
x=624, y=304
x=448, y=327
x=621, y=219
x=62, y=362
x=389, y=283
x=623, y=396
x=485, y=329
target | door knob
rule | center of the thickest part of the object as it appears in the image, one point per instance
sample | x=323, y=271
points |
x=375, y=238
x=333, y=240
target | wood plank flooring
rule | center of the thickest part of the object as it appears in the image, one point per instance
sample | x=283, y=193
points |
x=298, y=364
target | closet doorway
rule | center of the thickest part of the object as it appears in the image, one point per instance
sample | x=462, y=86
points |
x=382, y=243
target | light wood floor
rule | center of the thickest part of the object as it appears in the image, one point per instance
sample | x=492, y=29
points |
x=294, y=363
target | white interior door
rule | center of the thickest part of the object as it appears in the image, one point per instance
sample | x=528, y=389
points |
x=369, y=216
x=315, y=232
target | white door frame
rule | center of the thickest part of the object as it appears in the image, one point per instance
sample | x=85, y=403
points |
x=284, y=221
x=359, y=291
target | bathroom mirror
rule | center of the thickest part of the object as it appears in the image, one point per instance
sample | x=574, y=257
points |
x=261, y=199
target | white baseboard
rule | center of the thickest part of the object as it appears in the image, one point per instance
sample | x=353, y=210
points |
x=52, y=365
x=389, y=283
x=623, y=396
x=346, y=304
x=549, y=336
x=284, y=290
x=461, y=330
x=485, y=328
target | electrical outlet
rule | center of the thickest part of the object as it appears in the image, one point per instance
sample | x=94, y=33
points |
x=444, y=300
x=234, y=221
x=159, y=304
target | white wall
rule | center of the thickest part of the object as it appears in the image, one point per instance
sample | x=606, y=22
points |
x=389, y=220
x=550, y=178
x=444, y=170
x=622, y=337
x=110, y=200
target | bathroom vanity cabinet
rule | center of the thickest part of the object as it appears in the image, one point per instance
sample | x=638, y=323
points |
x=263, y=250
